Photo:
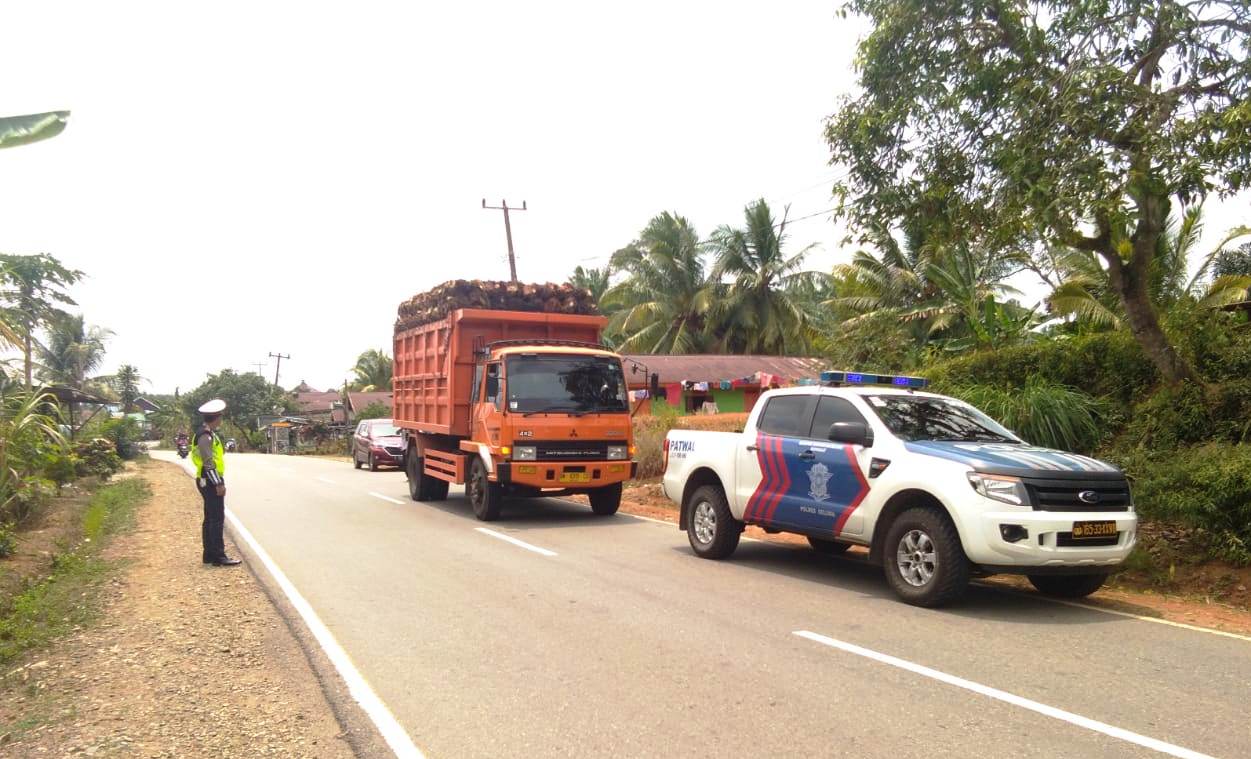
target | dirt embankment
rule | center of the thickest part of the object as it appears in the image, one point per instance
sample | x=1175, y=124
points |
x=184, y=659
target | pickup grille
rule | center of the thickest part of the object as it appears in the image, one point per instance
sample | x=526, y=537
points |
x=571, y=450
x=1063, y=495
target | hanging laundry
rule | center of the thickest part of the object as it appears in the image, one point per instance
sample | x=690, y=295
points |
x=701, y=387
x=726, y=384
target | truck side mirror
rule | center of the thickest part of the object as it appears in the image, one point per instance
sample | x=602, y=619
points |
x=493, y=386
x=853, y=433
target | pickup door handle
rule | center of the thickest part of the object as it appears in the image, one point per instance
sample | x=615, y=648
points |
x=808, y=455
x=752, y=448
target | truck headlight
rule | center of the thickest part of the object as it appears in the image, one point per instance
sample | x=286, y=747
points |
x=525, y=453
x=618, y=452
x=998, y=487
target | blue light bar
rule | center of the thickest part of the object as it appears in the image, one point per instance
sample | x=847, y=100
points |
x=861, y=378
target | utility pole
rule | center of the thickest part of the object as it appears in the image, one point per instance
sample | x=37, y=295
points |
x=508, y=231
x=259, y=365
x=278, y=368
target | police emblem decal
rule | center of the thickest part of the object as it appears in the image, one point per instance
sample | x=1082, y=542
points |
x=819, y=476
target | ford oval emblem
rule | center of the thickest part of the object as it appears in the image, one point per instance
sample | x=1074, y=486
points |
x=1088, y=496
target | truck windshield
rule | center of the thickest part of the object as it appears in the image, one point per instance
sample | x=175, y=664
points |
x=914, y=417
x=584, y=384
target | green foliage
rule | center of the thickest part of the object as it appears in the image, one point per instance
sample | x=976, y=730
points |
x=125, y=435
x=60, y=467
x=1233, y=262
x=126, y=384
x=31, y=290
x=1207, y=486
x=97, y=457
x=375, y=410
x=248, y=397
x=28, y=432
x=649, y=437
x=23, y=130
x=74, y=351
x=8, y=541
x=1042, y=412
x=373, y=371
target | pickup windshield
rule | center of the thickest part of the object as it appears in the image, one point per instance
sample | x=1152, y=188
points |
x=914, y=417
x=556, y=383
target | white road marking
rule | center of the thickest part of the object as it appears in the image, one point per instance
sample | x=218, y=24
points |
x=995, y=693
x=1129, y=615
x=514, y=541
x=326, y=480
x=386, y=498
x=392, y=732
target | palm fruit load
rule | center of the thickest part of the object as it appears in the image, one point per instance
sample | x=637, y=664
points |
x=437, y=302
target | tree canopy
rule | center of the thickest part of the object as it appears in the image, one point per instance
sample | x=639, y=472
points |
x=247, y=396
x=372, y=370
x=1079, y=123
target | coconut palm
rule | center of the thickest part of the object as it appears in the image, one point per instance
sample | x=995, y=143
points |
x=126, y=384
x=757, y=308
x=593, y=280
x=74, y=351
x=30, y=288
x=659, y=305
x=372, y=370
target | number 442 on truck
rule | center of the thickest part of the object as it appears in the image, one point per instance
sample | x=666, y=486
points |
x=935, y=489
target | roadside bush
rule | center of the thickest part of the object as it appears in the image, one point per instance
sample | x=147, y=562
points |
x=125, y=434
x=33, y=493
x=97, y=457
x=649, y=437
x=8, y=541
x=61, y=467
x=1207, y=487
x=1042, y=412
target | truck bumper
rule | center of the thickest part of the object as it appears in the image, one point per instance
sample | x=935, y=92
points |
x=565, y=474
x=1008, y=541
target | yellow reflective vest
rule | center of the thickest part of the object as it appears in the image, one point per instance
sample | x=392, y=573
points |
x=219, y=456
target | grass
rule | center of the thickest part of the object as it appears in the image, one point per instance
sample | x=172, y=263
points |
x=66, y=598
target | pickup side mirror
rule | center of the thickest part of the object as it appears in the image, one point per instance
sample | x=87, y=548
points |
x=854, y=433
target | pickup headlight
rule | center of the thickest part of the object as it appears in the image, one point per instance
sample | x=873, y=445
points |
x=525, y=453
x=618, y=452
x=998, y=487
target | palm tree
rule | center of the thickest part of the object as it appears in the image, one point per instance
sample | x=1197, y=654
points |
x=31, y=288
x=73, y=352
x=757, y=309
x=593, y=280
x=372, y=370
x=661, y=302
x=126, y=383
x=1085, y=292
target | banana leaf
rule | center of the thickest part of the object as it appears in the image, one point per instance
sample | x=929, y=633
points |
x=22, y=130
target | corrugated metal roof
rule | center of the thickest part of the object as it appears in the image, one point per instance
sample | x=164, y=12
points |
x=714, y=368
x=358, y=401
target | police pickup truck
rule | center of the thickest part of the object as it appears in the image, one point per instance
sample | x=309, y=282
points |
x=937, y=490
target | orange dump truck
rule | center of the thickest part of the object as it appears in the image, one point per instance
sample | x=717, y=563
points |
x=512, y=404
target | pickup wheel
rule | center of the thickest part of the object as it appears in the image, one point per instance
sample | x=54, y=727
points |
x=606, y=501
x=421, y=486
x=485, y=496
x=828, y=547
x=1068, y=586
x=925, y=563
x=713, y=531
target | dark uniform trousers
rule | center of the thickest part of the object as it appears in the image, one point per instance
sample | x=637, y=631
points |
x=214, y=522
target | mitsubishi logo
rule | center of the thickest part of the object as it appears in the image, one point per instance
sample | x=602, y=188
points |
x=573, y=433
x=1088, y=496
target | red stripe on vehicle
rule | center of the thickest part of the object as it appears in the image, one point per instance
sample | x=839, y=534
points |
x=762, y=489
x=781, y=483
x=864, y=489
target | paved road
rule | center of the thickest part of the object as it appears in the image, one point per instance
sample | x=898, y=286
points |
x=619, y=642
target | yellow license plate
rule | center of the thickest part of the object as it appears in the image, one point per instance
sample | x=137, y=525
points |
x=1094, y=529
x=575, y=477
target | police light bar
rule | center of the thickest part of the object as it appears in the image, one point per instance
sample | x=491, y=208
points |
x=861, y=378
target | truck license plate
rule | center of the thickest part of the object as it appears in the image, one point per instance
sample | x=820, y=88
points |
x=1094, y=529
x=575, y=477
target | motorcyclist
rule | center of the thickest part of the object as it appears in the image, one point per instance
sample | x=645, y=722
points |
x=181, y=442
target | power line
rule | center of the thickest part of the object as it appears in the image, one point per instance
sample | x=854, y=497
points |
x=278, y=368
x=508, y=231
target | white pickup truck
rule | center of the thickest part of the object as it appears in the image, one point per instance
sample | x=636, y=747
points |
x=937, y=490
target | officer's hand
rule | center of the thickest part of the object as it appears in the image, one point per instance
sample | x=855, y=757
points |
x=221, y=490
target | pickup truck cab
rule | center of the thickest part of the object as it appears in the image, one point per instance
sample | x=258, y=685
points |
x=935, y=489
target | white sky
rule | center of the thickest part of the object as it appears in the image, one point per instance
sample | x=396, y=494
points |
x=300, y=168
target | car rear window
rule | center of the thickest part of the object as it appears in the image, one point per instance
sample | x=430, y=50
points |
x=786, y=415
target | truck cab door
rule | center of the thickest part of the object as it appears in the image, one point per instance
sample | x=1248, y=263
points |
x=486, y=414
x=764, y=479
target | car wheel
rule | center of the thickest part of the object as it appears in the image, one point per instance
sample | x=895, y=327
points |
x=606, y=501
x=712, y=531
x=925, y=563
x=356, y=460
x=373, y=465
x=485, y=496
x=1068, y=586
x=829, y=547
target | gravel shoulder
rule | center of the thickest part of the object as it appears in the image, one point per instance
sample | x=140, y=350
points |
x=184, y=659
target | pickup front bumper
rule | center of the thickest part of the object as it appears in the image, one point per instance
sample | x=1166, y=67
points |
x=1016, y=541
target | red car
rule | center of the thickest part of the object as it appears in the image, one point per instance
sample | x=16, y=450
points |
x=377, y=442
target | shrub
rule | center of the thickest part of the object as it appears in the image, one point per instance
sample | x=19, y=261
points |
x=1042, y=412
x=8, y=541
x=97, y=457
x=1207, y=487
x=375, y=410
x=649, y=437
x=61, y=467
x=33, y=493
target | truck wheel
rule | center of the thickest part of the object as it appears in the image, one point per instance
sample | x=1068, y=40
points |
x=1068, y=586
x=606, y=501
x=925, y=563
x=713, y=531
x=828, y=547
x=421, y=486
x=485, y=496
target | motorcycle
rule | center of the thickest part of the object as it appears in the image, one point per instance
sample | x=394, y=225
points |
x=183, y=447
x=231, y=444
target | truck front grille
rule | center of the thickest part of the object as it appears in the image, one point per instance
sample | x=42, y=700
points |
x=571, y=450
x=1065, y=495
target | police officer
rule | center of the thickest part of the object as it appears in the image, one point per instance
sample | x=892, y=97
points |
x=208, y=455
